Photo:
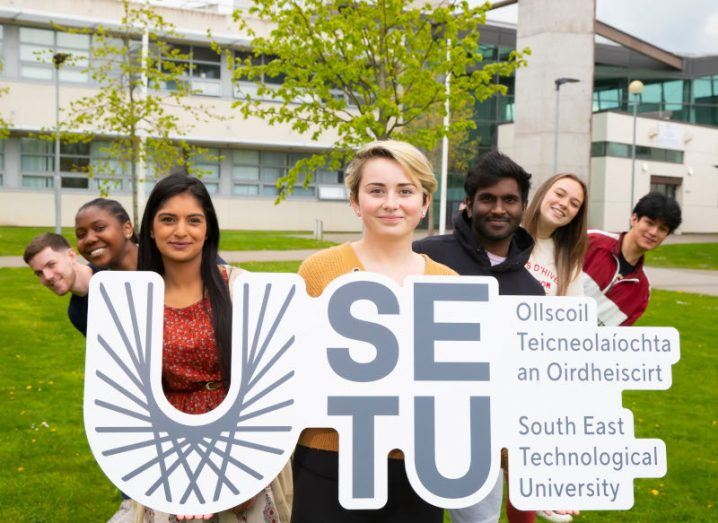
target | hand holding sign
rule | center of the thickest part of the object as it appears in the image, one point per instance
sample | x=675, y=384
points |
x=442, y=368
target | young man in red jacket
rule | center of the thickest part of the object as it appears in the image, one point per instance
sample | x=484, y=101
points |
x=613, y=266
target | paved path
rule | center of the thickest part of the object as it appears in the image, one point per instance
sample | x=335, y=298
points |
x=686, y=280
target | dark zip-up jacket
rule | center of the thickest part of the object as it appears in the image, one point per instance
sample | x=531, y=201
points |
x=462, y=252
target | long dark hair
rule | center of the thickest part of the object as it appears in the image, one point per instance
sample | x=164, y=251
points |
x=150, y=259
x=570, y=241
x=114, y=208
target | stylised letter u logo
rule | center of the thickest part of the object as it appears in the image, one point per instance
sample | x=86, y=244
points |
x=176, y=462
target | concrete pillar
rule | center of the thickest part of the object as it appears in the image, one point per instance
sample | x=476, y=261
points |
x=560, y=34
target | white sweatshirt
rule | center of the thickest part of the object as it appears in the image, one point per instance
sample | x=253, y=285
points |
x=542, y=266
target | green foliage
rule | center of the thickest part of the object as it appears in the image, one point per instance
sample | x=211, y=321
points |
x=273, y=266
x=685, y=255
x=139, y=99
x=268, y=241
x=366, y=70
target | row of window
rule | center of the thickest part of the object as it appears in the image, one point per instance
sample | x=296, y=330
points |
x=694, y=101
x=200, y=66
x=253, y=172
x=623, y=150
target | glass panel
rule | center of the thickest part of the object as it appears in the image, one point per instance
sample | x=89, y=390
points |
x=245, y=190
x=30, y=145
x=179, y=49
x=74, y=164
x=301, y=192
x=269, y=190
x=622, y=150
x=36, y=73
x=37, y=182
x=206, y=71
x=272, y=174
x=245, y=156
x=598, y=149
x=209, y=170
x=74, y=183
x=295, y=157
x=78, y=41
x=75, y=148
x=488, y=52
x=327, y=177
x=242, y=172
x=36, y=36
x=35, y=53
x=204, y=54
x=274, y=158
x=212, y=188
x=37, y=164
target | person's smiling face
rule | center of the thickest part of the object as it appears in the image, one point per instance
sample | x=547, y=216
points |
x=561, y=203
x=496, y=212
x=101, y=238
x=55, y=269
x=388, y=201
x=647, y=233
x=180, y=228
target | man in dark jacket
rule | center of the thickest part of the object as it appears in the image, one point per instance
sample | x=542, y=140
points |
x=488, y=241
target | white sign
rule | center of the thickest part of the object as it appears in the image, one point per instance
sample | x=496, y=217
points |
x=670, y=136
x=442, y=368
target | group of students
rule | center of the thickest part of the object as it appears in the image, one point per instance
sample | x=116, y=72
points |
x=390, y=185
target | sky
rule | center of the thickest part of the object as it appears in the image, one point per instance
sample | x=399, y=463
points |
x=679, y=26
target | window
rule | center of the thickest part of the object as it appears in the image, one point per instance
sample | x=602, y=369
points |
x=108, y=173
x=37, y=47
x=200, y=68
x=247, y=85
x=209, y=165
x=667, y=185
x=37, y=160
x=255, y=173
x=623, y=150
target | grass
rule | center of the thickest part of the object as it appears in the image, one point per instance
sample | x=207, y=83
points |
x=685, y=255
x=47, y=472
x=14, y=239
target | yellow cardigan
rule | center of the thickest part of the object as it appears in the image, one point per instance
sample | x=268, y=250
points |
x=318, y=271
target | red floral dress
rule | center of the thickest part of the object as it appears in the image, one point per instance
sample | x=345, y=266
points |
x=190, y=360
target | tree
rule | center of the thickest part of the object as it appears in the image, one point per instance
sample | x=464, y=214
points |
x=365, y=70
x=138, y=98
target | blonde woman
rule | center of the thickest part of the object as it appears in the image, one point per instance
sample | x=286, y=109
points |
x=390, y=186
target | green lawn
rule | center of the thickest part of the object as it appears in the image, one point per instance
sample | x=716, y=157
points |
x=48, y=474
x=14, y=239
x=685, y=255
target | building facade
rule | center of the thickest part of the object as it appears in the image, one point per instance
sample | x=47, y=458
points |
x=677, y=126
x=245, y=156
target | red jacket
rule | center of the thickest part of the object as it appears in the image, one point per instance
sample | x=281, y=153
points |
x=621, y=300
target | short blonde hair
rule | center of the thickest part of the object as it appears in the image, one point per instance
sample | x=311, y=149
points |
x=411, y=160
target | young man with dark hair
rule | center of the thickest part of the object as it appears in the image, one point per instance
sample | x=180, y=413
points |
x=613, y=265
x=54, y=262
x=488, y=241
